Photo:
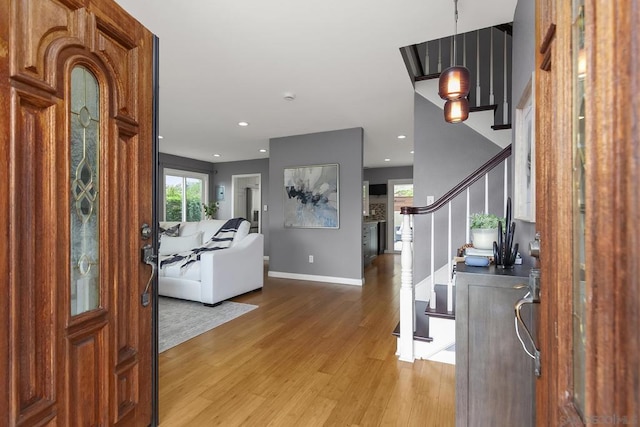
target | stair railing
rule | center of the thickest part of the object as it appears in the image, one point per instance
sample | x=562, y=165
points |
x=487, y=57
x=407, y=288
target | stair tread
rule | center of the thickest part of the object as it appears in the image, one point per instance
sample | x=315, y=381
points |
x=441, y=304
x=488, y=107
x=422, y=324
x=428, y=77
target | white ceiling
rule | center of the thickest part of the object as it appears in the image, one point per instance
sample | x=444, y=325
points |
x=225, y=61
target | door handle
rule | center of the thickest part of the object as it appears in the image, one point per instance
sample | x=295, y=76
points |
x=535, y=354
x=145, y=231
x=532, y=297
x=534, y=246
x=149, y=258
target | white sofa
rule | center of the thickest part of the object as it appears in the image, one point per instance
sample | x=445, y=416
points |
x=220, y=274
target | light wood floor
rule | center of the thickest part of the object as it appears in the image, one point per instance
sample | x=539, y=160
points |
x=312, y=354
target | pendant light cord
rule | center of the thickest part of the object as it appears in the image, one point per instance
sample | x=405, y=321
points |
x=455, y=31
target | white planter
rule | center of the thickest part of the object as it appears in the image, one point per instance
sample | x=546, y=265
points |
x=483, y=238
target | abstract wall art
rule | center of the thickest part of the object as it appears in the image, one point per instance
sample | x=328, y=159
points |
x=311, y=197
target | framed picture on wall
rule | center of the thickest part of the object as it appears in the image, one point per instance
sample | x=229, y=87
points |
x=311, y=196
x=525, y=156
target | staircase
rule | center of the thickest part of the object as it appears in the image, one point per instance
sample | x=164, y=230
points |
x=437, y=330
x=427, y=328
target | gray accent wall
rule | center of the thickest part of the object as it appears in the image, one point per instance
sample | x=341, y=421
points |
x=169, y=161
x=337, y=252
x=523, y=67
x=223, y=173
x=444, y=155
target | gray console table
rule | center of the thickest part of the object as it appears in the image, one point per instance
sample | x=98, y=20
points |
x=495, y=383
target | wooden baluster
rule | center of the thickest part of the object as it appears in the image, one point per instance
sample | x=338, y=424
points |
x=505, y=105
x=486, y=193
x=427, y=68
x=478, y=100
x=432, y=298
x=452, y=58
x=491, y=95
x=464, y=50
x=506, y=189
x=467, y=225
x=407, y=293
x=449, y=267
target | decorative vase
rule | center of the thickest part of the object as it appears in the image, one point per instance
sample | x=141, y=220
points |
x=483, y=238
x=505, y=249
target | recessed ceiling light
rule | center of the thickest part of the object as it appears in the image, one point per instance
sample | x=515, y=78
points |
x=262, y=150
x=216, y=155
x=411, y=151
x=402, y=136
x=289, y=96
x=243, y=124
x=387, y=160
x=160, y=137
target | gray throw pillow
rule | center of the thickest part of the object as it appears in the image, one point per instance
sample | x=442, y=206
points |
x=173, y=231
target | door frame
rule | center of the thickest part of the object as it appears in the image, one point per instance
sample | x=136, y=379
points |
x=390, y=218
x=155, y=133
x=234, y=188
x=612, y=212
x=59, y=367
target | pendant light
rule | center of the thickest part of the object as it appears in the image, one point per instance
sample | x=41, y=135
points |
x=453, y=84
x=456, y=111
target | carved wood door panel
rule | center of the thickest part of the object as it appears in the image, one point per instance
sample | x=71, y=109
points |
x=76, y=128
x=588, y=211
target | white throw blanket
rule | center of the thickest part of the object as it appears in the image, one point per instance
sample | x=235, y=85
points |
x=221, y=240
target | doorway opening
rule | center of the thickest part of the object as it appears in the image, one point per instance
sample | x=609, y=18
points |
x=400, y=194
x=247, y=199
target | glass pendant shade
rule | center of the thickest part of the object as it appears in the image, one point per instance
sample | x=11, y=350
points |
x=456, y=111
x=454, y=83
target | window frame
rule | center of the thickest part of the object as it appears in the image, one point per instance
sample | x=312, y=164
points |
x=184, y=174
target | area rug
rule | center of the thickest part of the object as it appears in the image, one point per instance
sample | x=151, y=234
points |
x=181, y=320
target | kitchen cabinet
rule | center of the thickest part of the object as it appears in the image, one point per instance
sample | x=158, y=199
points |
x=369, y=242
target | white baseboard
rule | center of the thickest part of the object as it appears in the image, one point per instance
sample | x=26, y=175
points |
x=314, y=278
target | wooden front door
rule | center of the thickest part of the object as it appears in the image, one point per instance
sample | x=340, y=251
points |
x=588, y=211
x=75, y=188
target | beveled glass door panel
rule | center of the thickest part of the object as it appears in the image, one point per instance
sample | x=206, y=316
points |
x=579, y=206
x=85, y=227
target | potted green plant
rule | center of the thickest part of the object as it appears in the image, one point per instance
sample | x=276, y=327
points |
x=484, y=230
x=210, y=210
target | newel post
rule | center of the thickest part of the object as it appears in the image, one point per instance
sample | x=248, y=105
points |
x=407, y=293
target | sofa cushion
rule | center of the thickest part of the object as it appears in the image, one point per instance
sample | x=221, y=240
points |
x=209, y=227
x=243, y=231
x=191, y=272
x=173, y=245
x=189, y=228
